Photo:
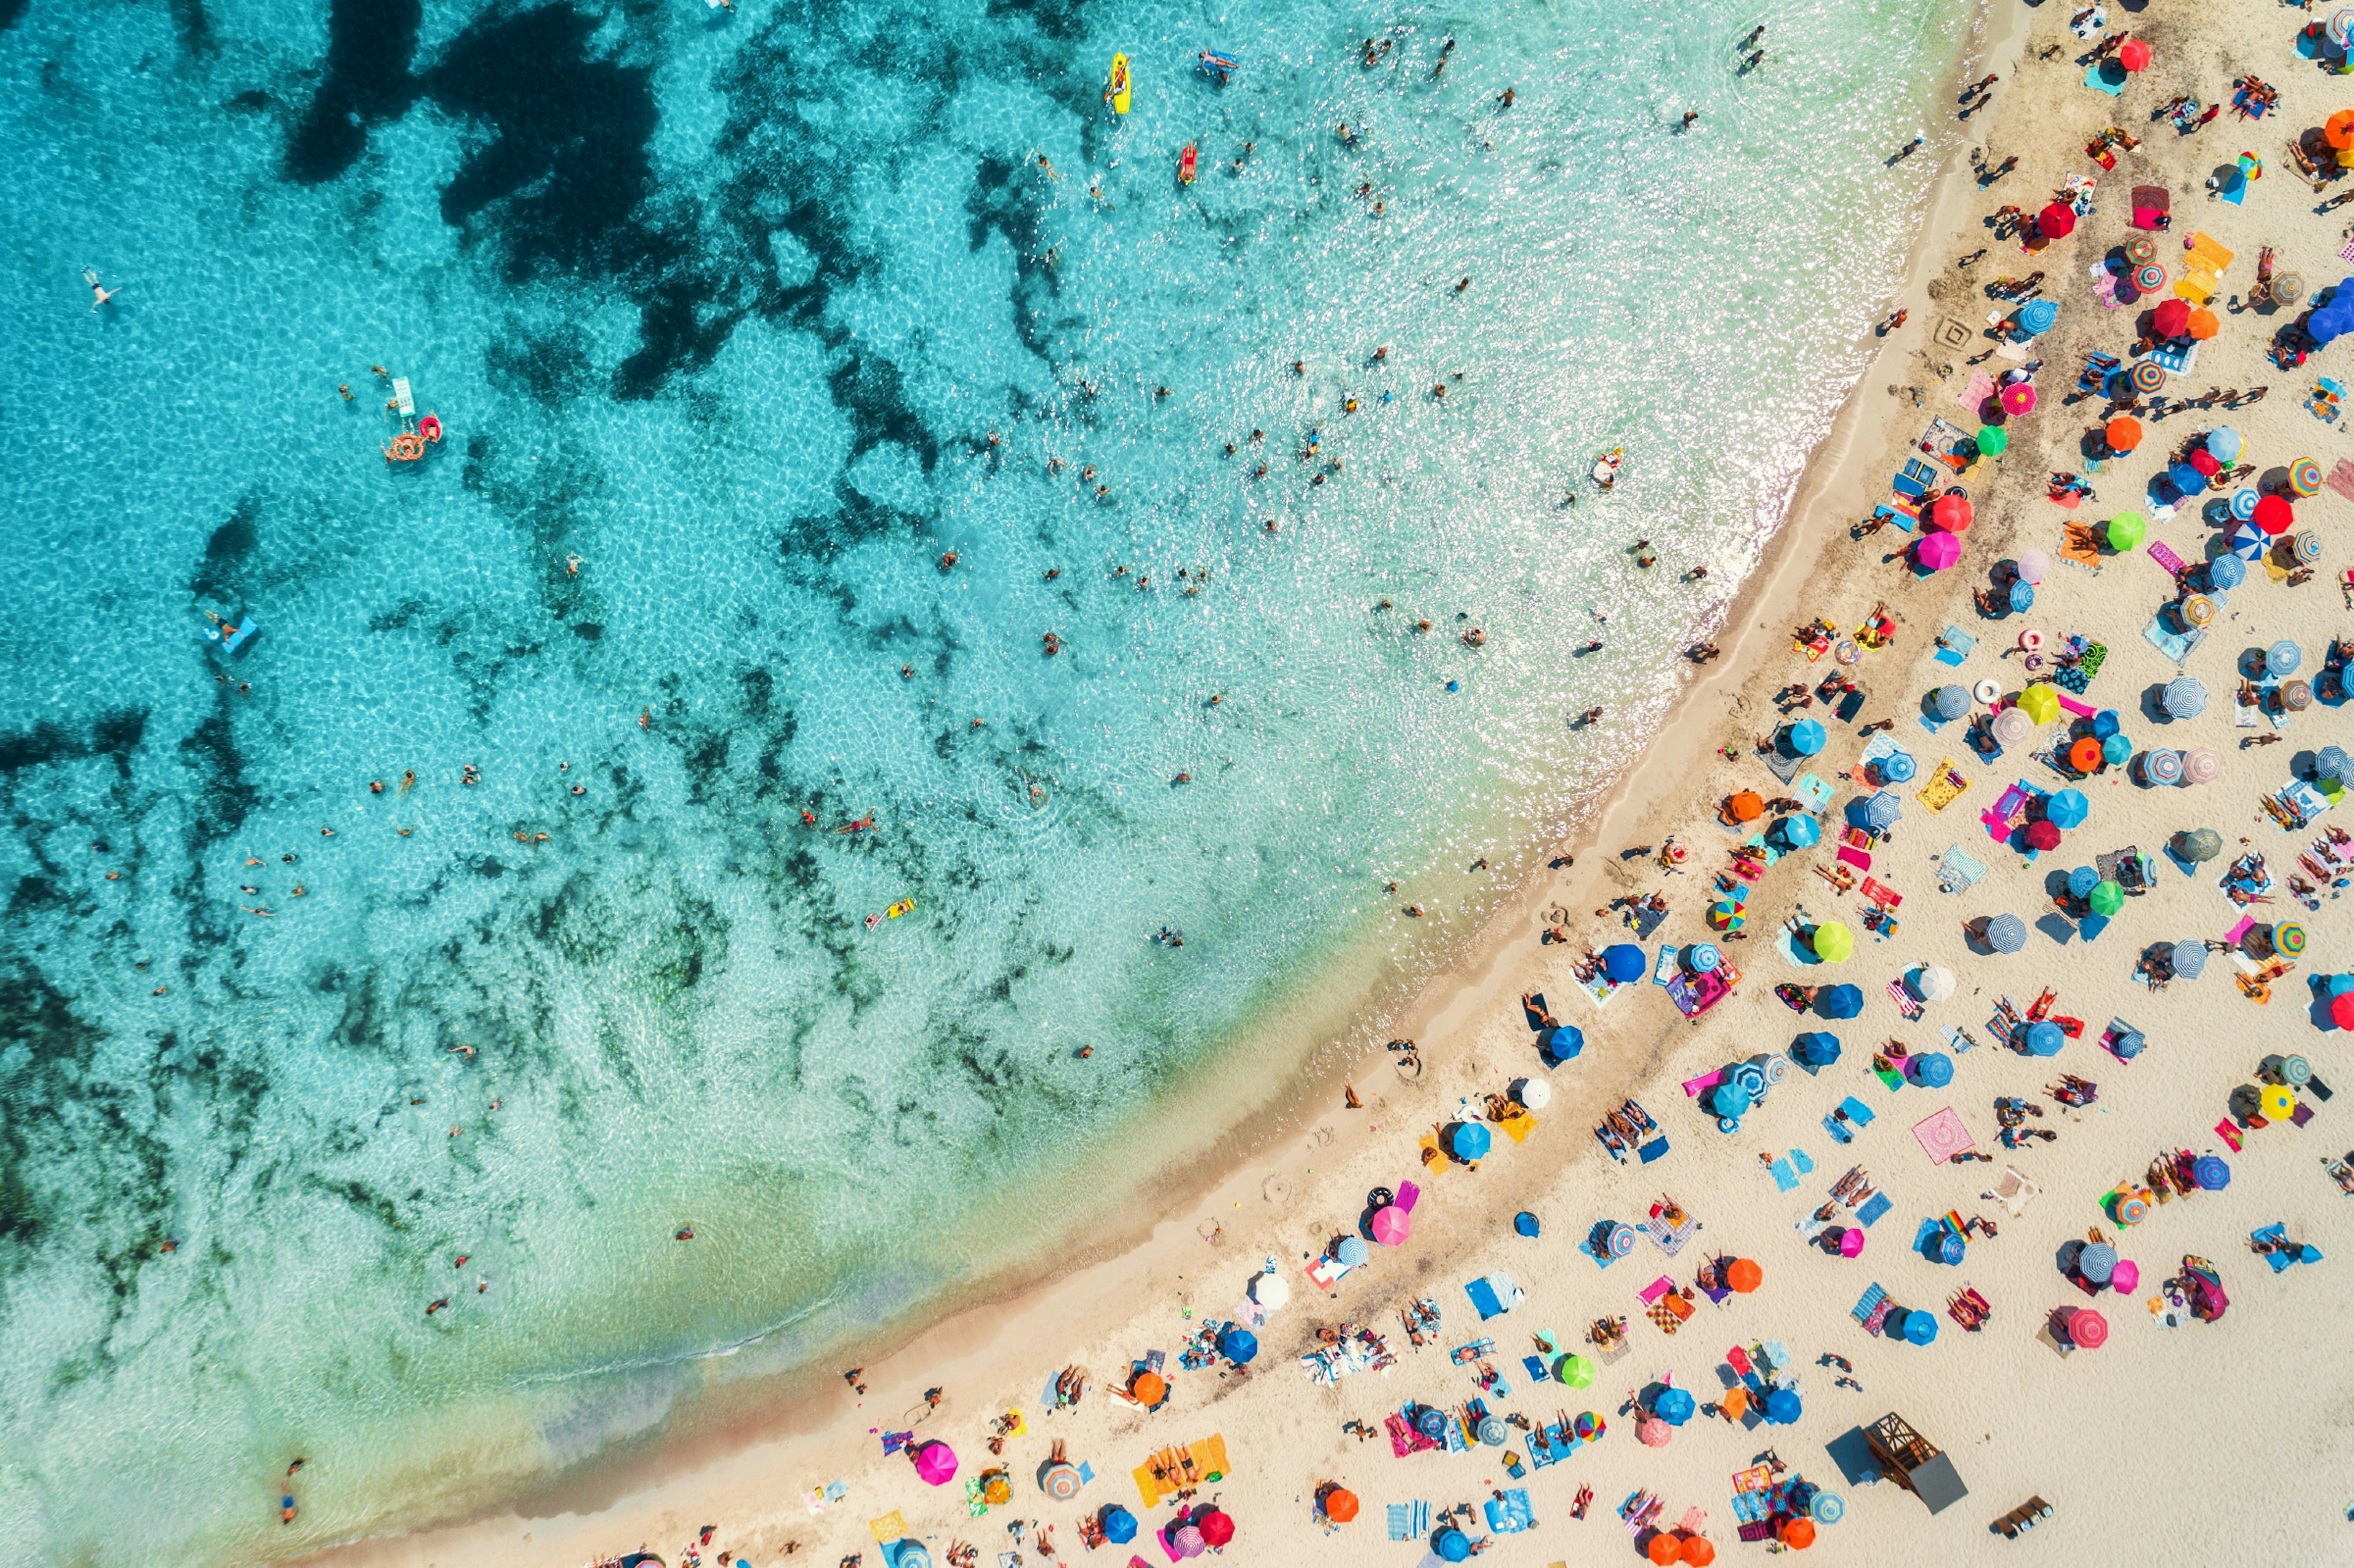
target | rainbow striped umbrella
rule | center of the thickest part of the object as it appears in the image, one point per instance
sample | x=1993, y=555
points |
x=2149, y=278
x=2289, y=938
x=2307, y=545
x=2202, y=765
x=2162, y=767
x=2341, y=27
x=2305, y=476
x=2148, y=376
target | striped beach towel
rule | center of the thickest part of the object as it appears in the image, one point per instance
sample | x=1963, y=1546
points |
x=1409, y=1521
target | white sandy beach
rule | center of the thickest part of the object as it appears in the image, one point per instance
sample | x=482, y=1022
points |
x=2248, y=1408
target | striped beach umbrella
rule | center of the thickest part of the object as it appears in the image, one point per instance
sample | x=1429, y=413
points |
x=1622, y=1241
x=2307, y=546
x=2244, y=505
x=2148, y=376
x=2295, y=695
x=2141, y=248
x=2341, y=25
x=2303, y=477
x=2184, y=697
x=2289, y=938
x=2202, y=765
x=2250, y=542
x=2190, y=959
x=2198, y=609
x=2227, y=572
x=2006, y=933
x=2283, y=658
x=1953, y=701
x=2148, y=278
x=2162, y=767
x=2329, y=762
x=2012, y=727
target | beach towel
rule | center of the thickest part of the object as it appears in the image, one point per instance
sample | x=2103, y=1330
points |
x=1511, y=1513
x=1943, y=1136
x=1956, y=871
x=2341, y=478
x=1975, y=392
x=1409, y=1521
x=1785, y=1178
x=1653, y=1151
x=1813, y=792
x=1857, y=1112
x=1494, y=1295
x=1874, y=1207
x=1874, y=1299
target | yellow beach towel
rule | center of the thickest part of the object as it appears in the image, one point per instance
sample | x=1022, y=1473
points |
x=1518, y=1128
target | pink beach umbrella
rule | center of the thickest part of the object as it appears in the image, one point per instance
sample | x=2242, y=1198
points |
x=2126, y=1278
x=1390, y=1225
x=2087, y=1328
x=935, y=1464
x=1654, y=1432
x=2034, y=565
x=1852, y=1242
x=2018, y=398
x=1186, y=1541
x=1937, y=551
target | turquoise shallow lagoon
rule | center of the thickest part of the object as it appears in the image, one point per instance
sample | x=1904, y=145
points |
x=758, y=315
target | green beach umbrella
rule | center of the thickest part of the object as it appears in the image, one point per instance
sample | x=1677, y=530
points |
x=2106, y=898
x=2126, y=529
x=1991, y=441
x=1575, y=1372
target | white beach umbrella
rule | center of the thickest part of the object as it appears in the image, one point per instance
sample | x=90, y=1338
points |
x=1931, y=984
x=1270, y=1291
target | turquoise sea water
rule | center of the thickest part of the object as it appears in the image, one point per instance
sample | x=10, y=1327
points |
x=759, y=315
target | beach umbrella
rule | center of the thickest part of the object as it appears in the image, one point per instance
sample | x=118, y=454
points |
x=2229, y=571
x=2201, y=844
x=1352, y=1252
x=1932, y=1069
x=2281, y=659
x=1833, y=942
x=2329, y=762
x=2243, y=503
x=1880, y=812
x=2338, y=129
x=1621, y=1242
x=2042, y=835
x=2126, y=1278
x=1535, y=1093
x=2034, y=565
x=1391, y=1225
x=1148, y=1389
x=1118, y=1525
x=1797, y=1534
x=1782, y=1407
x=2134, y=54
x=2295, y=696
x=2023, y=597
x=1698, y=1551
x=1730, y=1100
x=1654, y=1432
x=2304, y=477
x=1663, y=1549
x=1921, y=1328
x=1061, y=1482
x=1746, y=806
x=2087, y=1328
x=1240, y=1345
x=1850, y=1241
x=2067, y=808
x=2037, y=316
x=1991, y=441
x=2202, y=325
x=2039, y=703
x=1431, y=1422
x=1493, y=1432
x=2198, y=609
x=2148, y=278
x=1807, y=737
x=2125, y=530
x=1951, y=1248
x=2056, y=222
x=1623, y=961
x=2190, y=959
x=2006, y=933
x=2097, y=1261
x=2248, y=543
x=1799, y=831
x=2085, y=754
x=1953, y=701
x=2148, y=376
x=2082, y=881
x=2224, y=444
x=1936, y=552
x=2123, y=433
x=935, y=1464
x=1931, y=984
x=1471, y=1141
x=2274, y=513
x=2162, y=767
x=1673, y=1406
x=1562, y=1043
x=2288, y=939
x=1744, y=1276
x=2012, y=725
x=2341, y=1010
x=2170, y=318
x=2140, y=248
x=1588, y=1425
x=2202, y=765
x=2305, y=546
x=2288, y=288
x=2044, y=1038
x=1186, y=1541
x=2116, y=750
x=1751, y=1076
x=2186, y=478
x=2212, y=1174
x=2106, y=723
x=1951, y=511
x=2017, y=397
x=1724, y=915
x=1816, y=1049
x=1839, y=1001
x=1575, y=1371
x=1270, y=1291
x=2205, y=463
x=1217, y=1526
x=1454, y=1546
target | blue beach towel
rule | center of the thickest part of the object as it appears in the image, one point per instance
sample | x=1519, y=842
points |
x=1409, y=1521
x=1857, y=1110
x=1510, y=1514
x=1785, y=1178
x=1874, y=1207
x=1799, y=1158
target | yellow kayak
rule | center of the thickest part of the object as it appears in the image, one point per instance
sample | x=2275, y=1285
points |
x=898, y=910
x=1115, y=90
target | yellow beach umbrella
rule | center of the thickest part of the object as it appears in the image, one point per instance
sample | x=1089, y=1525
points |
x=1834, y=942
x=2039, y=703
x=2279, y=1103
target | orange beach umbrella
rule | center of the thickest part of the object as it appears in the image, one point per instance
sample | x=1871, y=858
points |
x=2339, y=130
x=2123, y=433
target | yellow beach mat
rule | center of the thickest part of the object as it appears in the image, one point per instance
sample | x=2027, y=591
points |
x=891, y=1527
x=1173, y=1470
x=2213, y=256
x=1434, y=1157
x=1518, y=1128
x=1945, y=787
x=2197, y=287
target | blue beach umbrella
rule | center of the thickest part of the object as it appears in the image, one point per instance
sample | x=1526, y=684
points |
x=1729, y=1099
x=2022, y=596
x=1839, y=1001
x=1703, y=956
x=2329, y=762
x=1932, y=1069
x=2037, y=316
x=2281, y=659
x=2186, y=479
x=1120, y=1525
x=2250, y=542
x=2190, y=959
x=1562, y=1043
x=1782, y=1406
x=2212, y=1174
x=1470, y=1142
x=1431, y=1422
x=1950, y=1247
x=2106, y=723
x=1898, y=767
x=1239, y=1346
x=1527, y=1225
x=2068, y=808
x=2227, y=572
x=902, y=1553
x=2224, y=442
x=2006, y=933
x=1454, y=1546
x=1623, y=962
x=2082, y=881
x=1953, y=701
x=1352, y=1252
x=1673, y=1406
x=2244, y=505
x=2044, y=1038
x=1816, y=1049
x=1799, y=831
x=2117, y=750
x=1808, y=737
x=1920, y=1327
x=2184, y=697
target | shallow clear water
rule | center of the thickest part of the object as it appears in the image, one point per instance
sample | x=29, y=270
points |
x=758, y=315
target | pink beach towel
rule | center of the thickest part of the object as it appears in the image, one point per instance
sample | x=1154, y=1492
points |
x=1408, y=1195
x=1943, y=1136
x=1855, y=857
x=1695, y=1087
x=1973, y=397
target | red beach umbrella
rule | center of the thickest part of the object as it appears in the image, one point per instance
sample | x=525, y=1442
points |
x=1217, y=1527
x=2042, y=835
x=1951, y=513
x=2170, y=317
x=2205, y=462
x=2056, y=222
x=2341, y=1010
x=2134, y=55
x=2275, y=514
x=2088, y=1328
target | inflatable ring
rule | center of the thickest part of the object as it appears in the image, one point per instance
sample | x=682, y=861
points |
x=1987, y=692
x=1847, y=653
x=2031, y=641
x=429, y=428
x=2034, y=660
